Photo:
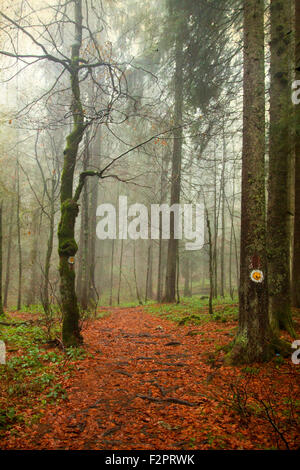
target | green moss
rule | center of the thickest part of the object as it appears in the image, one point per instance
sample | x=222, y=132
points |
x=68, y=247
x=239, y=352
x=67, y=244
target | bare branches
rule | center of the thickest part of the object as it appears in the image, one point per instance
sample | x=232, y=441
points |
x=140, y=145
x=100, y=174
x=46, y=54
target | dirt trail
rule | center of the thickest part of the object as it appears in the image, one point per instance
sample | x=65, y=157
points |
x=146, y=384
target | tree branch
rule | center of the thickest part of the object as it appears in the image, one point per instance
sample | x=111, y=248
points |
x=100, y=173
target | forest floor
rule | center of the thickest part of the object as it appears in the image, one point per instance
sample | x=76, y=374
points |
x=146, y=378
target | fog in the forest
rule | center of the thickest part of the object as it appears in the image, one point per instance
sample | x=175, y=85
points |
x=153, y=90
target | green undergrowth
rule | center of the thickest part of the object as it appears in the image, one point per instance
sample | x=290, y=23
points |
x=126, y=304
x=194, y=310
x=34, y=373
x=34, y=309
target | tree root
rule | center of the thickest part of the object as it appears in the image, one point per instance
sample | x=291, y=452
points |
x=168, y=400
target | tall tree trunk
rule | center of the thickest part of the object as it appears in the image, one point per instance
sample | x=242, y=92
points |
x=163, y=185
x=32, y=288
x=280, y=154
x=296, y=254
x=112, y=272
x=186, y=271
x=45, y=295
x=191, y=278
x=79, y=259
x=232, y=236
x=211, y=278
x=170, y=295
x=93, y=292
x=135, y=277
x=19, y=301
x=8, y=253
x=67, y=246
x=120, y=271
x=163, y=191
x=85, y=245
x=150, y=279
x=254, y=333
x=177, y=278
x=222, y=189
x=159, y=273
x=231, y=289
x=148, y=273
x=1, y=239
x=216, y=218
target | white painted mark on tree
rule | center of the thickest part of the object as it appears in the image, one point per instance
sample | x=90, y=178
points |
x=257, y=275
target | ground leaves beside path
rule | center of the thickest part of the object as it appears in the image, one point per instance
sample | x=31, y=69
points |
x=148, y=383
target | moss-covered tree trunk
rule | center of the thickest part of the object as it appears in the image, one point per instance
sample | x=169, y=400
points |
x=252, y=342
x=296, y=258
x=67, y=246
x=280, y=154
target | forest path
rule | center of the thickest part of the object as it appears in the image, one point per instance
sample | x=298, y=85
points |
x=140, y=388
x=147, y=383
